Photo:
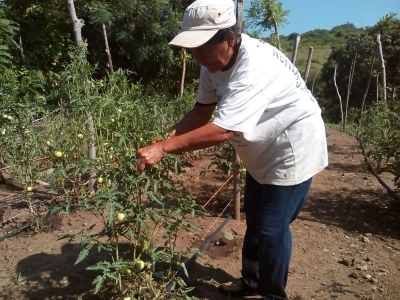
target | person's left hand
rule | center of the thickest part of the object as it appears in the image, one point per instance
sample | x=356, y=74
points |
x=148, y=156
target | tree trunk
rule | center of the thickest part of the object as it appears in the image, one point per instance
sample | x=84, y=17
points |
x=89, y=125
x=371, y=69
x=21, y=47
x=295, y=48
x=310, y=53
x=340, y=98
x=183, y=71
x=109, y=59
x=351, y=75
x=239, y=17
x=77, y=24
x=277, y=34
x=383, y=71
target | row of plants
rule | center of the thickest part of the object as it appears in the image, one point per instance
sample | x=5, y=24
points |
x=378, y=131
x=141, y=213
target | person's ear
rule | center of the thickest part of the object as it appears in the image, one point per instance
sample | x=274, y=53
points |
x=230, y=37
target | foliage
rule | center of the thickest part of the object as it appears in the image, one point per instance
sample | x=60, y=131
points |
x=379, y=132
x=8, y=31
x=138, y=36
x=141, y=212
x=361, y=47
x=44, y=31
x=266, y=14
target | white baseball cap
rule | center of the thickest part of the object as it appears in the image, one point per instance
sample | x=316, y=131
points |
x=202, y=20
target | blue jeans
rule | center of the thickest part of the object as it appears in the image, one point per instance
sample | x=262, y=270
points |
x=267, y=246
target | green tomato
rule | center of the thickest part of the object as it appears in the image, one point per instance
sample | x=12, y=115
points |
x=139, y=265
x=3, y=132
x=128, y=272
x=29, y=189
x=121, y=217
x=58, y=154
x=100, y=180
x=80, y=135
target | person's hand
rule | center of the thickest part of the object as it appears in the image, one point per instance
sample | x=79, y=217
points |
x=148, y=156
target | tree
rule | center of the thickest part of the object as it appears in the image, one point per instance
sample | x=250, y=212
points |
x=8, y=31
x=267, y=15
x=364, y=43
x=44, y=31
x=100, y=14
x=137, y=32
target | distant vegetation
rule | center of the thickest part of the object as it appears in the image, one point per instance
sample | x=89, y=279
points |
x=322, y=40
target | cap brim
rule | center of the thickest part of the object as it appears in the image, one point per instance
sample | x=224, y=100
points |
x=193, y=38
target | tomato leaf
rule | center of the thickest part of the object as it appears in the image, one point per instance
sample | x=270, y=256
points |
x=99, y=282
x=82, y=255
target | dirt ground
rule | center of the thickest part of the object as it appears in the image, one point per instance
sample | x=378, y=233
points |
x=346, y=241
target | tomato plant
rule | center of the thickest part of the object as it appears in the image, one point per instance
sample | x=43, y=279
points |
x=141, y=213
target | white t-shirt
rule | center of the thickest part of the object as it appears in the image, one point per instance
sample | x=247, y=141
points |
x=279, y=132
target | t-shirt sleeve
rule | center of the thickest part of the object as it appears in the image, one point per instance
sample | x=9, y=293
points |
x=243, y=101
x=205, y=94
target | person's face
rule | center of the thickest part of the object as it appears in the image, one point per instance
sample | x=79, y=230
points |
x=214, y=56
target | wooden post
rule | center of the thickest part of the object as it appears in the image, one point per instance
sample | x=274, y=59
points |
x=337, y=91
x=295, y=47
x=183, y=71
x=109, y=59
x=236, y=186
x=351, y=75
x=236, y=159
x=383, y=71
x=371, y=70
x=239, y=16
x=313, y=82
x=310, y=53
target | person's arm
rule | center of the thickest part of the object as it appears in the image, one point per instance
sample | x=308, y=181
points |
x=200, y=138
x=197, y=117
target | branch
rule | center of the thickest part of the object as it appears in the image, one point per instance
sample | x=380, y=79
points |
x=372, y=170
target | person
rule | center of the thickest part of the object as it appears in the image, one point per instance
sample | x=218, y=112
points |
x=263, y=107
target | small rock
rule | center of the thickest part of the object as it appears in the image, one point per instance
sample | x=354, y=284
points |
x=375, y=280
x=345, y=261
x=354, y=275
x=374, y=288
x=362, y=267
x=368, y=277
x=365, y=239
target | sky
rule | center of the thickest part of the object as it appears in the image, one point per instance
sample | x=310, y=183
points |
x=306, y=15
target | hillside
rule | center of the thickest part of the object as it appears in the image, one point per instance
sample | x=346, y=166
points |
x=322, y=40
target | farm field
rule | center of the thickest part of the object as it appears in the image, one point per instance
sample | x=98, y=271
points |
x=346, y=240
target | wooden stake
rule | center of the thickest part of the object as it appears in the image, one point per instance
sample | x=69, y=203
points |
x=310, y=53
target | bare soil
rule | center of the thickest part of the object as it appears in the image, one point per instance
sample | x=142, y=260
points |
x=346, y=241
